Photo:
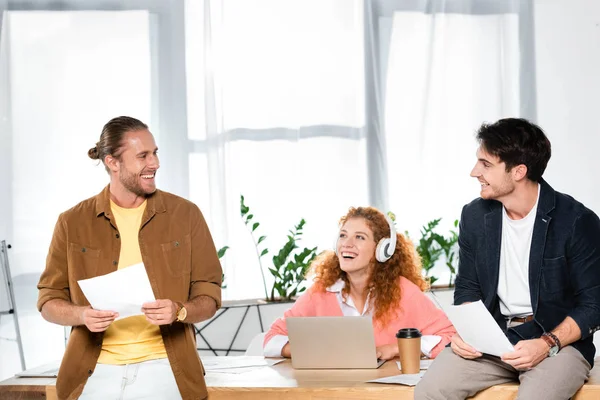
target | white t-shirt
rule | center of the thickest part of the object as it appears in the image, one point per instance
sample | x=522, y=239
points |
x=513, y=282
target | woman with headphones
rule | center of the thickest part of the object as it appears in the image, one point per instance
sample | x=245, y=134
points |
x=373, y=272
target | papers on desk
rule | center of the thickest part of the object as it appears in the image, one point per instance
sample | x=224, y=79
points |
x=404, y=379
x=477, y=328
x=237, y=365
x=123, y=291
x=424, y=364
x=49, y=370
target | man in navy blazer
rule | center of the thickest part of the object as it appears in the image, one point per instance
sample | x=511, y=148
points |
x=532, y=256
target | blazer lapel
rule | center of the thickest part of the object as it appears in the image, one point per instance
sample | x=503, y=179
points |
x=493, y=240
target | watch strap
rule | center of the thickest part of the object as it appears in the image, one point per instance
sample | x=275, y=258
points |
x=554, y=338
x=548, y=340
x=178, y=312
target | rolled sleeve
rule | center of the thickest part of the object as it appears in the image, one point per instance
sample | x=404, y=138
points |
x=207, y=273
x=206, y=289
x=54, y=281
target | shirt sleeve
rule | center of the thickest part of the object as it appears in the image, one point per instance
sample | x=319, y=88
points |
x=428, y=342
x=274, y=346
x=301, y=308
x=207, y=274
x=584, y=264
x=467, y=287
x=430, y=320
x=54, y=281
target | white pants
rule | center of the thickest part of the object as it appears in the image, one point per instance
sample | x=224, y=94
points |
x=146, y=380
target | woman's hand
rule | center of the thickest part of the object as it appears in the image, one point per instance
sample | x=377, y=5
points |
x=387, y=351
x=285, y=351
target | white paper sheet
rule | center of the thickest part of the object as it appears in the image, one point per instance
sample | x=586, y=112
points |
x=49, y=370
x=237, y=365
x=424, y=364
x=477, y=328
x=404, y=379
x=123, y=291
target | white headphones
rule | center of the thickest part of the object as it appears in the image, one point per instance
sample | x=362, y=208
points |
x=385, y=248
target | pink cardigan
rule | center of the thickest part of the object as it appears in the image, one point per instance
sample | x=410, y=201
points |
x=416, y=311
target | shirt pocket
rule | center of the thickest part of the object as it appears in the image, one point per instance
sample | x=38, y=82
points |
x=177, y=255
x=555, y=275
x=82, y=261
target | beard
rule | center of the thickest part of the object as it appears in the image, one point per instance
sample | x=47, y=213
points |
x=131, y=183
x=498, y=191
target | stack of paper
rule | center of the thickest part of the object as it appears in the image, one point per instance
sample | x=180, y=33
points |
x=236, y=365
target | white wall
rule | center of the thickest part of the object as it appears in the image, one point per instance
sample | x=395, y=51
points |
x=568, y=83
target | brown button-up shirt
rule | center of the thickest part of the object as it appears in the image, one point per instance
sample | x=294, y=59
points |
x=181, y=262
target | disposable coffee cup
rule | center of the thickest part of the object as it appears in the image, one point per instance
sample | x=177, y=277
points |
x=409, y=348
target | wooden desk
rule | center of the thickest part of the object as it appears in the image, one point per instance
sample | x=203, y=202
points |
x=28, y=388
x=282, y=382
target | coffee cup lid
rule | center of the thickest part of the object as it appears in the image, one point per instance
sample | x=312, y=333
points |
x=408, y=333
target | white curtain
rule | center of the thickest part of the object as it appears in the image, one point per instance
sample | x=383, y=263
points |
x=305, y=107
x=445, y=67
x=282, y=124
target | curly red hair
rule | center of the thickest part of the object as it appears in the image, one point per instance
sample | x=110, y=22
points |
x=383, y=281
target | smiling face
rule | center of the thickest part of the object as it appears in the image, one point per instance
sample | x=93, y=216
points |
x=490, y=171
x=355, y=246
x=137, y=165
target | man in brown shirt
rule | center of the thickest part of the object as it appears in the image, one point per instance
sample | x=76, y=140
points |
x=151, y=355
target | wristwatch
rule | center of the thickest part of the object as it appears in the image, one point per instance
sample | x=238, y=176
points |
x=554, y=348
x=181, y=312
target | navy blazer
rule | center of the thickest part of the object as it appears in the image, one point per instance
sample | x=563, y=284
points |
x=564, y=265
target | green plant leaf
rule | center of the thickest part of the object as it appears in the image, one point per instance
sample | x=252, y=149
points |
x=265, y=251
x=260, y=239
x=222, y=251
x=275, y=273
x=255, y=225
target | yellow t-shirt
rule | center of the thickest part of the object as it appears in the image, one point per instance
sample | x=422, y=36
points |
x=133, y=339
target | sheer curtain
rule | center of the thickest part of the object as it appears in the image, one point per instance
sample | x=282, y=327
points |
x=283, y=115
x=66, y=69
x=445, y=67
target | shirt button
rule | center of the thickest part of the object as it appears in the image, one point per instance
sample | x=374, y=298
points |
x=114, y=262
x=117, y=236
x=90, y=372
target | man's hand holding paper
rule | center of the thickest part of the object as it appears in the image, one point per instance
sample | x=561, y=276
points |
x=98, y=320
x=527, y=354
x=462, y=349
x=122, y=292
x=478, y=331
x=160, y=312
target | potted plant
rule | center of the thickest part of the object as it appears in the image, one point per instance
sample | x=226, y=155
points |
x=289, y=264
x=432, y=246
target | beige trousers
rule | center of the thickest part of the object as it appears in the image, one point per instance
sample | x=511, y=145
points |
x=452, y=377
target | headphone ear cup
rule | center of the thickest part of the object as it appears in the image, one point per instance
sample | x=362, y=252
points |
x=381, y=250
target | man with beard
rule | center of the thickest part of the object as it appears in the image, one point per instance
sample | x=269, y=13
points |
x=146, y=356
x=532, y=256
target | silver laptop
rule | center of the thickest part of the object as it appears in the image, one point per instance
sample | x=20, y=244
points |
x=332, y=342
